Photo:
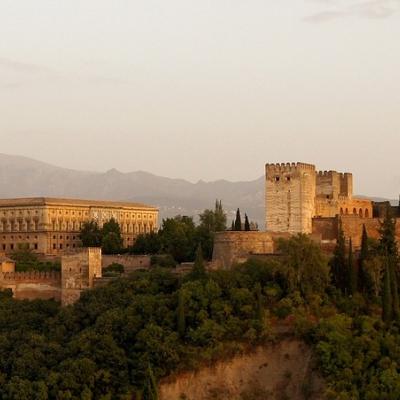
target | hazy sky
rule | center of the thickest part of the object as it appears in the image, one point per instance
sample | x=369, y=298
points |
x=204, y=88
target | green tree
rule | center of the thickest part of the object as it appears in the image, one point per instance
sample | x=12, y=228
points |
x=388, y=249
x=238, y=221
x=211, y=221
x=338, y=262
x=387, y=301
x=177, y=237
x=220, y=217
x=151, y=385
x=90, y=235
x=363, y=282
x=352, y=271
x=181, y=318
x=304, y=265
x=149, y=243
x=111, y=242
x=199, y=270
x=24, y=257
x=233, y=225
x=259, y=303
x=246, y=223
x=394, y=291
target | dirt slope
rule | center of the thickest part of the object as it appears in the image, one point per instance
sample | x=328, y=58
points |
x=280, y=371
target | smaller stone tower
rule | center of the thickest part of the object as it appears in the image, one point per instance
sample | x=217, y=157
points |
x=78, y=270
x=290, y=197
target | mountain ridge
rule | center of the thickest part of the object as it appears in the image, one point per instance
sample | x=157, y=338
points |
x=26, y=177
x=22, y=176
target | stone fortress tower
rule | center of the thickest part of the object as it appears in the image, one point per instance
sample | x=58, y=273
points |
x=79, y=270
x=290, y=197
x=296, y=194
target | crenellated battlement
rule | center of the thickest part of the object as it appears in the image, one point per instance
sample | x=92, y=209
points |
x=288, y=167
x=37, y=276
x=326, y=174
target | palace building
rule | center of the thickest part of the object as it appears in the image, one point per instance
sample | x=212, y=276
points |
x=50, y=225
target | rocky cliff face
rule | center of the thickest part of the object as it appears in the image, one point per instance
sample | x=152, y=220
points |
x=276, y=372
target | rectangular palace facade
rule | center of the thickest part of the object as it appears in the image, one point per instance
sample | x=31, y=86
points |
x=50, y=225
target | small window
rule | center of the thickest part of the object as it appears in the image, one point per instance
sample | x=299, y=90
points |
x=54, y=245
x=277, y=179
x=288, y=178
x=4, y=246
x=61, y=246
x=36, y=246
x=12, y=246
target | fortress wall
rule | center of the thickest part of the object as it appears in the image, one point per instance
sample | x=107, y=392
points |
x=353, y=226
x=327, y=208
x=130, y=262
x=32, y=285
x=234, y=247
x=360, y=207
x=326, y=229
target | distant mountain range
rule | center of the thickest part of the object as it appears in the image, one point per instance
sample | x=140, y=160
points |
x=25, y=177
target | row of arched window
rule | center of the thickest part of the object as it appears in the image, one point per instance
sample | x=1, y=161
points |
x=360, y=212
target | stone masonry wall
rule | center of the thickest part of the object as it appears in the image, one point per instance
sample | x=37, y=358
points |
x=235, y=247
x=32, y=285
x=130, y=262
x=290, y=197
x=79, y=269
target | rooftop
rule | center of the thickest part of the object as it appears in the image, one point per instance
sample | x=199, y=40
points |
x=48, y=201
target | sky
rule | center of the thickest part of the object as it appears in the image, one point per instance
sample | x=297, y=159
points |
x=209, y=89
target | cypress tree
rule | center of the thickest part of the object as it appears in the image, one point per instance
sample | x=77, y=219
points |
x=364, y=253
x=388, y=245
x=352, y=271
x=199, y=270
x=246, y=223
x=181, y=320
x=386, y=296
x=233, y=226
x=151, y=385
x=259, y=303
x=238, y=221
x=388, y=248
x=394, y=291
x=338, y=263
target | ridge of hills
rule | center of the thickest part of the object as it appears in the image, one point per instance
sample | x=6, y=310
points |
x=25, y=177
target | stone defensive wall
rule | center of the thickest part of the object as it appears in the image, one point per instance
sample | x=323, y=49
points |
x=353, y=225
x=130, y=262
x=326, y=229
x=32, y=284
x=236, y=247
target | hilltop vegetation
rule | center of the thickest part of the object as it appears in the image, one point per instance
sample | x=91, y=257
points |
x=117, y=341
